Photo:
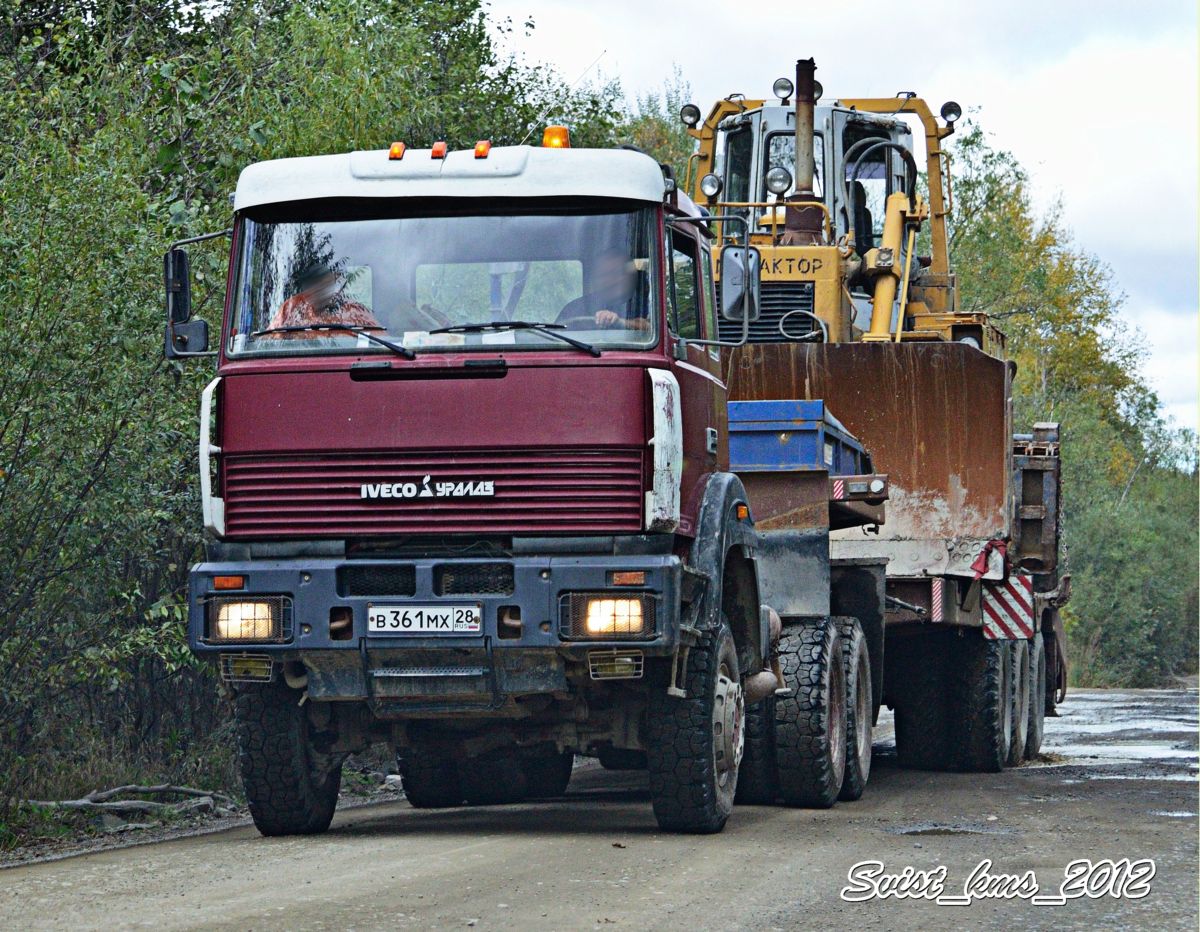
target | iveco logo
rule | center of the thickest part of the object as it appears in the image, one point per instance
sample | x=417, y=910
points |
x=479, y=488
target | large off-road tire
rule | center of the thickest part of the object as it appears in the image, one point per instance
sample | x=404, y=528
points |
x=291, y=787
x=981, y=703
x=430, y=779
x=493, y=779
x=922, y=708
x=621, y=759
x=547, y=771
x=860, y=708
x=810, y=724
x=1037, y=697
x=1019, y=684
x=758, y=784
x=694, y=745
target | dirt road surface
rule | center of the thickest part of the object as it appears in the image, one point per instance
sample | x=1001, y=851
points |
x=1121, y=783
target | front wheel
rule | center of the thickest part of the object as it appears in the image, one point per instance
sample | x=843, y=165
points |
x=694, y=746
x=291, y=786
x=810, y=724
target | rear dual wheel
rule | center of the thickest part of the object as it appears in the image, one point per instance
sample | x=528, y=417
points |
x=810, y=723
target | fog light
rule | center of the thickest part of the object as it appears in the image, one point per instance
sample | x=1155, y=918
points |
x=614, y=617
x=779, y=180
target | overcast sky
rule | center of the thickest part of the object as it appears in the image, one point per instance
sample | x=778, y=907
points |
x=1097, y=99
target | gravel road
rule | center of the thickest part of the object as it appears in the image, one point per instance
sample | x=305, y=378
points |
x=1120, y=781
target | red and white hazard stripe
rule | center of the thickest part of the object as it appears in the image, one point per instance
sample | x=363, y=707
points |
x=1008, y=608
x=936, y=611
x=839, y=489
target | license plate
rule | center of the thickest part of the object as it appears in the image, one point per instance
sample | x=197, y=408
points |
x=424, y=619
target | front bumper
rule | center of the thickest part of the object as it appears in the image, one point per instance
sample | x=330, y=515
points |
x=499, y=662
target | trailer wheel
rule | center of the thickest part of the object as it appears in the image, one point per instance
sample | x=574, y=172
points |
x=291, y=787
x=1020, y=702
x=493, y=779
x=547, y=771
x=1037, y=697
x=981, y=724
x=757, y=783
x=860, y=708
x=430, y=779
x=695, y=744
x=810, y=724
x=918, y=666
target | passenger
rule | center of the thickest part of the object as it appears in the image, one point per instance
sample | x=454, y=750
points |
x=611, y=302
x=320, y=299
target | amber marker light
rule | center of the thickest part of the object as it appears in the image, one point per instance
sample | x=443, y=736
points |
x=556, y=137
x=226, y=583
x=438, y=151
x=396, y=152
x=482, y=148
x=628, y=577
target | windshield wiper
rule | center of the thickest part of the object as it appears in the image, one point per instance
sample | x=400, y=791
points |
x=549, y=330
x=361, y=331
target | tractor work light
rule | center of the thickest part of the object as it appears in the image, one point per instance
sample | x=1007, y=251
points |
x=233, y=620
x=396, y=152
x=556, y=137
x=711, y=185
x=951, y=111
x=607, y=616
x=689, y=114
x=779, y=180
x=817, y=90
x=782, y=88
x=482, y=148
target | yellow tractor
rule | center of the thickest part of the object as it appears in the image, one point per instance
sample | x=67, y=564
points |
x=857, y=305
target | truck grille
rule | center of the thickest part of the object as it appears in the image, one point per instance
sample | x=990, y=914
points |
x=377, y=579
x=778, y=298
x=535, y=492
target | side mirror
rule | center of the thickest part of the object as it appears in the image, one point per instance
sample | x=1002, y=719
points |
x=740, y=283
x=178, y=274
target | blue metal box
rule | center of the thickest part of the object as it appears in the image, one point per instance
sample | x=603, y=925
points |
x=791, y=436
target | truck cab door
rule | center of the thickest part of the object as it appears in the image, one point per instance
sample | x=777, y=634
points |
x=691, y=315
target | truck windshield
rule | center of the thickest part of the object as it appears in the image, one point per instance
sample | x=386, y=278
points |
x=588, y=274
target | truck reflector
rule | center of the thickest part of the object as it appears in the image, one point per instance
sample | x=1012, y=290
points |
x=396, y=152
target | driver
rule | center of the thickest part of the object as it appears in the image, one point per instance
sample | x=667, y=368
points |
x=610, y=302
x=320, y=299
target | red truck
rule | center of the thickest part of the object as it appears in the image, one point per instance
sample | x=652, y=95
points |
x=465, y=470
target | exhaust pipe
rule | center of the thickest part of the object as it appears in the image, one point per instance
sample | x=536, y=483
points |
x=805, y=101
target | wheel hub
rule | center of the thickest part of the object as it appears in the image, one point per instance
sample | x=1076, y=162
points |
x=729, y=718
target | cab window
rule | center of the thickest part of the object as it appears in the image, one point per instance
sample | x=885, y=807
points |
x=739, y=151
x=870, y=189
x=781, y=153
x=684, y=287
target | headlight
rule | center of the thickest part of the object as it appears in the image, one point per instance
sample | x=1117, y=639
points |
x=689, y=114
x=779, y=180
x=247, y=620
x=614, y=616
x=710, y=185
x=951, y=111
x=607, y=616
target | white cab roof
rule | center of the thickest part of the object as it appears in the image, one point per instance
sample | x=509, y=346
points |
x=509, y=171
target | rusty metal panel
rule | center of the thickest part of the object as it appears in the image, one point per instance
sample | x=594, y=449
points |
x=936, y=417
